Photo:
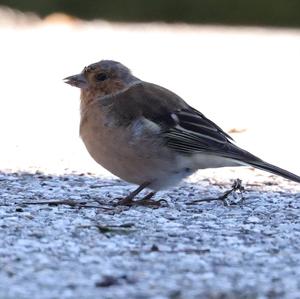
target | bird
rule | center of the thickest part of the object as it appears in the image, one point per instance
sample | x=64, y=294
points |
x=147, y=135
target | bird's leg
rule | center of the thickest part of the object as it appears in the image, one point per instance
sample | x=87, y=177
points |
x=128, y=200
x=145, y=201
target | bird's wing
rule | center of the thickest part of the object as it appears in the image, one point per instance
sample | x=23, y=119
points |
x=183, y=128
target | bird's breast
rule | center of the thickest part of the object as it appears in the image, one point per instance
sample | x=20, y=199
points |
x=125, y=151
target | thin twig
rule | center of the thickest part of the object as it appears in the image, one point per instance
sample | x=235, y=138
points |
x=236, y=186
x=71, y=203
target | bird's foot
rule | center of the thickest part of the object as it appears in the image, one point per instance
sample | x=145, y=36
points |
x=145, y=201
x=151, y=203
x=123, y=201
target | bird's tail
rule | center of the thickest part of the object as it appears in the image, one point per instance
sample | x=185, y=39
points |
x=244, y=157
x=274, y=169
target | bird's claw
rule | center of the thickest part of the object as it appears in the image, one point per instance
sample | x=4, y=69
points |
x=151, y=203
x=141, y=202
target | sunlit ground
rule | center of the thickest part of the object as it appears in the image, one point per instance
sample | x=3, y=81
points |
x=242, y=78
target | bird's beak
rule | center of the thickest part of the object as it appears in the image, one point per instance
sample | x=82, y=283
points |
x=77, y=81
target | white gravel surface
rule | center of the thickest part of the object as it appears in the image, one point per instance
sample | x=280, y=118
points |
x=245, y=79
x=184, y=250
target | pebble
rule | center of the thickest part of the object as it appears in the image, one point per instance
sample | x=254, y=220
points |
x=253, y=219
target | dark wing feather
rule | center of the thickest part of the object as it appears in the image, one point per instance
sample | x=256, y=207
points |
x=197, y=117
x=193, y=132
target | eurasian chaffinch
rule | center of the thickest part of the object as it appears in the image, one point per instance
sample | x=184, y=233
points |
x=147, y=135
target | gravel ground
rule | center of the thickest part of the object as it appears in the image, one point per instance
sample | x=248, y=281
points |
x=184, y=250
x=245, y=79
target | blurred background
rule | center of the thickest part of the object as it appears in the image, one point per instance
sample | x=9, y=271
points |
x=232, y=12
x=236, y=61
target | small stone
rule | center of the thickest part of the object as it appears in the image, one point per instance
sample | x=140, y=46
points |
x=154, y=248
x=106, y=281
x=253, y=219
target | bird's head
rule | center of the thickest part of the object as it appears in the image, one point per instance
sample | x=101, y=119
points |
x=102, y=78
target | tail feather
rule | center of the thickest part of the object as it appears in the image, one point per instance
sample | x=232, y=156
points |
x=275, y=170
x=244, y=157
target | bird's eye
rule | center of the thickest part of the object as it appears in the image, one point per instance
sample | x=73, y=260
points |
x=101, y=77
